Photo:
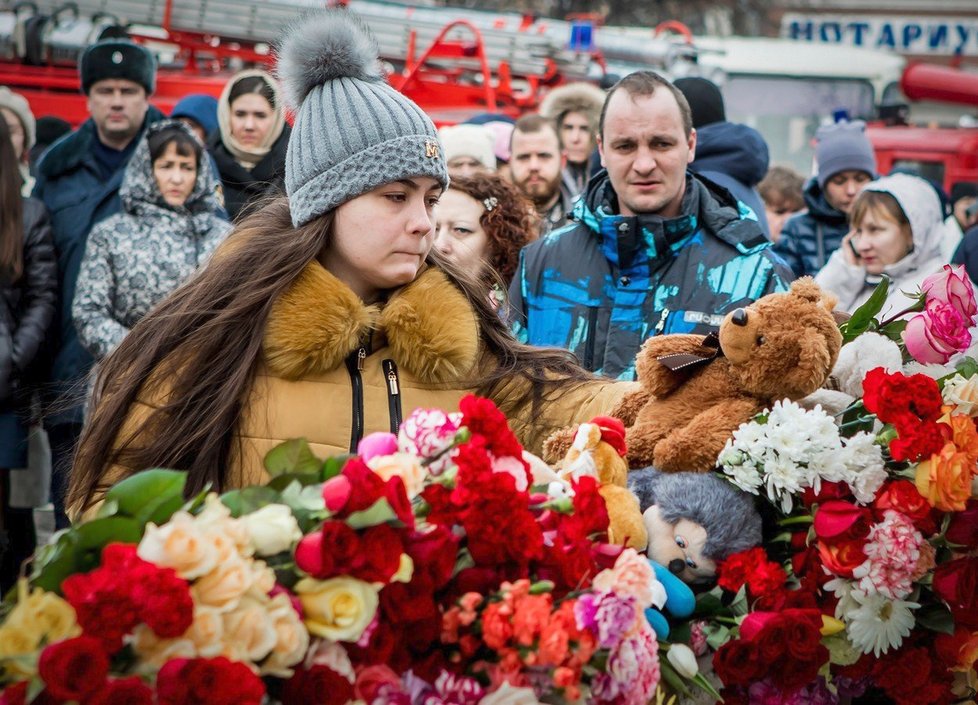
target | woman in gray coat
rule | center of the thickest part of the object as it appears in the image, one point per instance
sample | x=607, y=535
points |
x=168, y=226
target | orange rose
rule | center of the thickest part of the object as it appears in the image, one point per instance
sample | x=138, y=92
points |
x=964, y=436
x=945, y=479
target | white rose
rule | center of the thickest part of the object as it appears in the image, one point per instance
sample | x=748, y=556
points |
x=272, y=529
x=962, y=393
x=340, y=608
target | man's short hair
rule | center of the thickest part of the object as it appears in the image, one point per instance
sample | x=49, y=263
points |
x=532, y=123
x=645, y=83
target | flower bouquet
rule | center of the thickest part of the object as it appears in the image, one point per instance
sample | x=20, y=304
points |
x=426, y=569
x=867, y=585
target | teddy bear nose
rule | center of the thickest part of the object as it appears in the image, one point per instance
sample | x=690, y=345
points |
x=739, y=317
x=676, y=566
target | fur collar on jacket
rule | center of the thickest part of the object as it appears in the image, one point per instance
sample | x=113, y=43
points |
x=429, y=325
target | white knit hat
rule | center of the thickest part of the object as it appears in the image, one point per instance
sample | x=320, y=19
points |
x=469, y=141
x=17, y=104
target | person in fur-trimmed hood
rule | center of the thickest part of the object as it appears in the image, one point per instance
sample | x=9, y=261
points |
x=576, y=108
x=327, y=314
x=168, y=227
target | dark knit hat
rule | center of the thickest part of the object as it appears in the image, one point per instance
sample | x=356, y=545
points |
x=704, y=98
x=352, y=132
x=843, y=146
x=117, y=58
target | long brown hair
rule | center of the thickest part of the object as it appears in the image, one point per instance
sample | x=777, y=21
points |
x=204, y=341
x=11, y=211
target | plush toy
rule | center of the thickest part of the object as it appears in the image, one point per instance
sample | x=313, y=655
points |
x=695, y=391
x=694, y=520
x=598, y=450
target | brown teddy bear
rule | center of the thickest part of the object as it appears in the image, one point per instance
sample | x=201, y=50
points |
x=598, y=450
x=697, y=391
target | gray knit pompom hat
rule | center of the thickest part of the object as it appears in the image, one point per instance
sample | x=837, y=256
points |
x=352, y=131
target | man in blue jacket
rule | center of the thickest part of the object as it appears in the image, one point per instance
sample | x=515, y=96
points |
x=655, y=249
x=732, y=155
x=78, y=179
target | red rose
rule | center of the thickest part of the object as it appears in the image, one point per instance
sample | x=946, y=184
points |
x=215, y=681
x=738, y=662
x=319, y=685
x=792, y=639
x=902, y=496
x=841, y=522
x=371, y=679
x=828, y=490
x=15, y=694
x=123, y=691
x=366, y=487
x=434, y=554
x=74, y=668
x=381, y=548
x=963, y=529
x=328, y=552
x=956, y=582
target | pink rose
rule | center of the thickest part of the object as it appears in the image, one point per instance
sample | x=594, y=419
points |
x=938, y=333
x=336, y=492
x=952, y=286
x=377, y=444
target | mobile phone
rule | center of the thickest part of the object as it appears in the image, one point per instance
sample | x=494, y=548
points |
x=852, y=247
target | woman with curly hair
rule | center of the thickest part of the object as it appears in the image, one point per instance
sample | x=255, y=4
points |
x=481, y=224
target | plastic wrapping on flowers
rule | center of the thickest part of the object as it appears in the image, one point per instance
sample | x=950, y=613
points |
x=426, y=569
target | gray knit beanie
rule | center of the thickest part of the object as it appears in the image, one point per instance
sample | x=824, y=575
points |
x=843, y=146
x=352, y=131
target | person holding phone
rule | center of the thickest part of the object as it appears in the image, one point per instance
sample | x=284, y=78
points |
x=895, y=230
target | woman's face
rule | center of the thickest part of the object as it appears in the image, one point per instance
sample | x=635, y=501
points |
x=880, y=241
x=458, y=233
x=381, y=238
x=175, y=175
x=251, y=119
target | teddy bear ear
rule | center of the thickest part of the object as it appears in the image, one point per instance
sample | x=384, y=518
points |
x=805, y=288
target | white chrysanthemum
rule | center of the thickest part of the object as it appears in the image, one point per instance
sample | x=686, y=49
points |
x=784, y=479
x=864, y=462
x=843, y=589
x=879, y=623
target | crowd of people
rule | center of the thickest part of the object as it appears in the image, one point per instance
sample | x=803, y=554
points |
x=187, y=290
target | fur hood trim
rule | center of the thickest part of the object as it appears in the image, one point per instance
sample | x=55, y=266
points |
x=429, y=325
x=576, y=97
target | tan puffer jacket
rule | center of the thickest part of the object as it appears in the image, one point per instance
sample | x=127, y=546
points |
x=335, y=369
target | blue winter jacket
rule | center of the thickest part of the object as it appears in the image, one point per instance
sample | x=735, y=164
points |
x=736, y=157
x=77, y=196
x=809, y=238
x=601, y=286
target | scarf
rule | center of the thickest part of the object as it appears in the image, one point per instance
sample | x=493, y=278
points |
x=249, y=156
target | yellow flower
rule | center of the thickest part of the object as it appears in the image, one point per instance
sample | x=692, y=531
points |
x=38, y=616
x=339, y=608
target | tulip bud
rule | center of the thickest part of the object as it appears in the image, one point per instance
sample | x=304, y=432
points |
x=336, y=492
x=308, y=554
x=682, y=658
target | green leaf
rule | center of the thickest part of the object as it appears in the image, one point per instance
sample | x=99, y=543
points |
x=463, y=561
x=99, y=533
x=79, y=549
x=937, y=618
x=55, y=562
x=333, y=466
x=841, y=650
x=248, y=499
x=670, y=676
x=704, y=684
x=717, y=635
x=380, y=512
x=894, y=330
x=150, y=495
x=967, y=367
x=864, y=317
x=308, y=498
x=281, y=482
x=294, y=456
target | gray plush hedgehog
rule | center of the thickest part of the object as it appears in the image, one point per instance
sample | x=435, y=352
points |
x=694, y=520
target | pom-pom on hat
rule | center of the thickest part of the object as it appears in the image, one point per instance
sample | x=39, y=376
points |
x=117, y=58
x=352, y=131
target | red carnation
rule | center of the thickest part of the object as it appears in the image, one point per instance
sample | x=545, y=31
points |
x=489, y=427
x=74, y=668
x=215, y=681
x=123, y=691
x=919, y=440
x=319, y=685
x=898, y=399
x=751, y=568
x=164, y=600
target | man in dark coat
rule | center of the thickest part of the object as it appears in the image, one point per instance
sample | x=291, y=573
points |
x=654, y=249
x=78, y=180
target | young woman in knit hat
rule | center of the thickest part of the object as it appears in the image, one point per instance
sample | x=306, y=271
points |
x=327, y=314
x=250, y=142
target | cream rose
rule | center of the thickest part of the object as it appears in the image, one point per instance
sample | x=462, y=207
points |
x=292, y=639
x=272, y=529
x=179, y=544
x=404, y=466
x=249, y=629
x=339, y=608
x=207, y=631
x=216, y=520
x=224, y=586
x=962, y=393
x=43, y=615
x=154, y=651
